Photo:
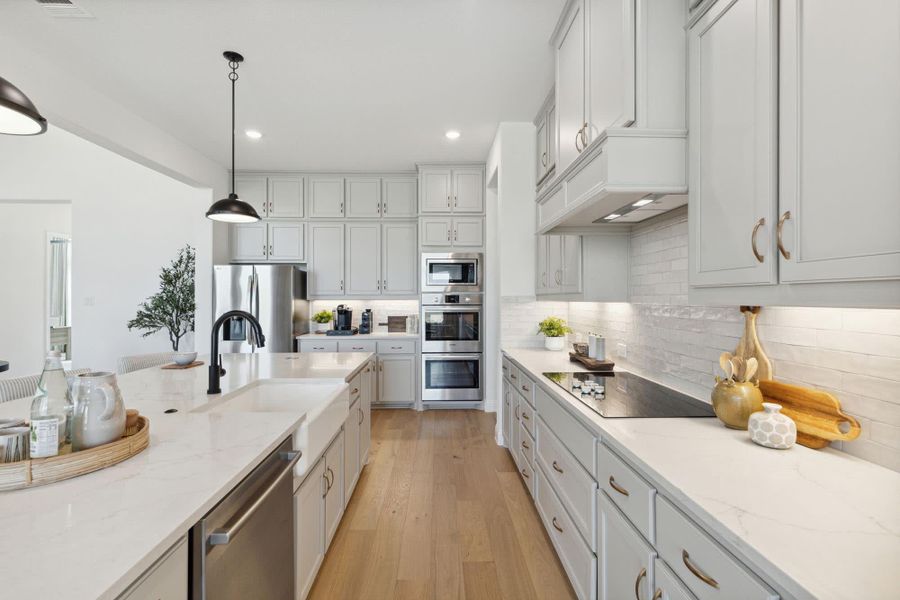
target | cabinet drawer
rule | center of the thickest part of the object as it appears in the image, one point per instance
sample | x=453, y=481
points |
x=526, y=471
x=167, y=579
x=668, y=586
x=578, y=439
x=706, y=568
x=525, y=386
x=526, y=444
x=355, y=386
x=572, y=483
x=627, y=489
x=357, y=346
x=506, y=368
x=526, y=415
x=397, y=347
x=318, y=346
x=577, y=558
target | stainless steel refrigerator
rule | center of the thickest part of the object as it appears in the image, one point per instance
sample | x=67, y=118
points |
x=274, y=294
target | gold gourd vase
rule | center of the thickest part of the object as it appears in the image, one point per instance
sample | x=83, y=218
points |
x=734, y=402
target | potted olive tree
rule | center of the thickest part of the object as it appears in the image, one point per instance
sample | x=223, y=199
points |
x=554, y=330
x=323, y=320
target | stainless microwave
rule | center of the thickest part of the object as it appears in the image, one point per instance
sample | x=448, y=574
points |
x=452, y=272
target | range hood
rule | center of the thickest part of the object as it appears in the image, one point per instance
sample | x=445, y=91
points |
x=634, y=173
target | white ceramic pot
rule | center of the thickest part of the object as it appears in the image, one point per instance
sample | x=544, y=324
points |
x=772, y=429
x=184, y=358
x=554, y=343
x=99, y=411
x=323, y=326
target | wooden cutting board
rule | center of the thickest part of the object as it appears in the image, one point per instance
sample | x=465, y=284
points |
x=817, y=414
x=592, y=363
x=749, y=346
x=196, y=363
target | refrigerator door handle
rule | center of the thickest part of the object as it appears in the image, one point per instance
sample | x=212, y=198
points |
x=252, y=286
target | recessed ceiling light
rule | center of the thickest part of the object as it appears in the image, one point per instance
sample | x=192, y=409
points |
x=611, y=217
x=643, y=202
x=253, y=134
x=452, y=135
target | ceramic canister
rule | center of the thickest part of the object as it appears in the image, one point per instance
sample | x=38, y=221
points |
x=772, y=429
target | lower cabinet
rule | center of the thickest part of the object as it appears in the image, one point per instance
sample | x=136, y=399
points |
x=334, y=487
x=625, y=560
x=668, y=587
x=396, y=379
x=309, y=528
x=365, y=409
x=351, y=445
x=165, y=580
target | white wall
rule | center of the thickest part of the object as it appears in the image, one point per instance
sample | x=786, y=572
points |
x=24, y=254
x=127, y=221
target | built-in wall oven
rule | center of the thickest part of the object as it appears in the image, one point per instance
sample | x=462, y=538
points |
x=452, y=340
x=452, y=272
x=452, y=377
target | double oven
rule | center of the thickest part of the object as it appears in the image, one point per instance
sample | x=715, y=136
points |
x=452, y=328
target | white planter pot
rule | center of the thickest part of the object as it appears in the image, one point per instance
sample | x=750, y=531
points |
x=323, y=326
x=555, y=343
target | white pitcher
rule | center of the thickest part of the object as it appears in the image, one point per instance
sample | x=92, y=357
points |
x=99, y=411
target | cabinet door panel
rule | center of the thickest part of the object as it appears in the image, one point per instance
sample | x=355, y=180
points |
x=334, y=491
x=542, y=272
x=468, y=190
x=626, y=560
x=286, y=197
x=326, y=197
x=732, y=143
x=554, y=263
x=399, y=260
x=540, y=157
x=468, y=232
x=570, y=280
x=309, y=528
x=435, y=188
x=369, y=391
x=396, y=379
x=249, y=241
x=364, y=197
x=570, y=86
x=363, y=259
x=326, y=250
x=551, y=139
x=828, y=159
x=399, y=197
x=610, y=65
x=668, y=586
x=351, y=450
x=252, y=190
x=287, y=241
x=436, y=231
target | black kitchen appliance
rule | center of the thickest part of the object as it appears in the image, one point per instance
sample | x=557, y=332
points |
x=343, y=321
x=620, y=394
x=365, y=321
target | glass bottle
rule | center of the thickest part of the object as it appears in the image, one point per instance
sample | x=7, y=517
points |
x=51, y=411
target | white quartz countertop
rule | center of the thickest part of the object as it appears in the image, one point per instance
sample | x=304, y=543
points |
x=378, y=334
x=92, y=536
x=818, y=523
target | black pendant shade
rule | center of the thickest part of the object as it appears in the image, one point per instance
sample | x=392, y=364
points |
x=232, y=209
x=18, y=116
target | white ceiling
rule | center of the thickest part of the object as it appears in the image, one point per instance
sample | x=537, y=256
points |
x=332, y=84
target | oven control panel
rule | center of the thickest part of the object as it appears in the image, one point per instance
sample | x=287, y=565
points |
x=443, y=299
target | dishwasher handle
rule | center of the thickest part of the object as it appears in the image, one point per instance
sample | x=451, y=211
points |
x=220, y=537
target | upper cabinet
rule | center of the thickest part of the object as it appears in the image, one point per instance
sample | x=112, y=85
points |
x=279, y=197
x=326, y=197
x=570, y=76
x=545, y=139
x=363, y=197
x=451, y=189
x=399, y=197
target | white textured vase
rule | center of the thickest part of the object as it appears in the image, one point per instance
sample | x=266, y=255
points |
x=772, y=429
x=554, y=343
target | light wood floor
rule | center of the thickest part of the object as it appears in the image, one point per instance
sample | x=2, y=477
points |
x=440, y=512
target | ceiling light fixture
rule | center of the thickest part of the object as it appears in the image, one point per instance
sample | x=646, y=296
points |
x=612, y=216
x=18, y=115
x=253, y=134
x=643, y=202
x=232, y=209
x=452, y=135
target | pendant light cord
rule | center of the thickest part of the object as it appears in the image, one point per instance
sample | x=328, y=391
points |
x=233, y=76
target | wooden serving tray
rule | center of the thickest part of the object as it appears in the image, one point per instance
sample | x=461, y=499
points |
x=592, y=363
x=196, y=363
x=41, y=471
x=817, y=414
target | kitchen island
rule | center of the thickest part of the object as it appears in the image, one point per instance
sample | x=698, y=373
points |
x=92, y=536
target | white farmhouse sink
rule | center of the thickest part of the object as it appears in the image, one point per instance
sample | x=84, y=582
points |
x=326, y=405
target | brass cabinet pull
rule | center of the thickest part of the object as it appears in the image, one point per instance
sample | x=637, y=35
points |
x=526, y=417
x=637, y=584
x=583, y=133
x=578, y=139
x=517, y=413
x=556, y=467
x=362, y=416
x=355, y=390
x=525, y=388
x=512, y=376
x=686, y=559
x=556, y=525
x=557, y=277
x=524, y=474
x=331, y=483
x=617, y=487
x=448, y=201
x=760, y=223
x=544, y=158
x=785, y=253
x=658, y=594
x=525, y=445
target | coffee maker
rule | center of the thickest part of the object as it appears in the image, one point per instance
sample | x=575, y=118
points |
x=365, y=321
x=343, y=321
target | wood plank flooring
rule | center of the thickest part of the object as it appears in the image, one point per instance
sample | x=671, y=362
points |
x=440, y=512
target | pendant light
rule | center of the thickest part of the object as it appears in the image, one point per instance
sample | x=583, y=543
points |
x=232, y=209
x=18, y=116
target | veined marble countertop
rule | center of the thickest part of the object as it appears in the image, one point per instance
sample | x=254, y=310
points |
x=378, y=334
x=816, y=523
x=92, y=536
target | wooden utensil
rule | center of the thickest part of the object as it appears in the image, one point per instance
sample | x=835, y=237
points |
x=725, y=363
x=750, y=367
x=817, y=414
x=738, y=364
x=749, y=345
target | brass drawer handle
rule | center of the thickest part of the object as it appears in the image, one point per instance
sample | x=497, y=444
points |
x=760, y=223
x=658, y=594
x=617, y=487
x=525, y=388
x=362, y=416
x=517, y=413
x=785, y=253
x=525, y=445
x=513, y=376
x=578, y=139
x=524, y=474
x=686, y=558
x=584, y=142
x=544, y=159
x=556, y=525
x=637, y=583
x=526, y=417
x=556, y=467
x=355, y=391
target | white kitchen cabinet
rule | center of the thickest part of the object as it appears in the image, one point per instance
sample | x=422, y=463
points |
x=399, y=197
x=570, y=85
x=625, y=560
x=458, y=189
x=541, y=266
x=399, y=254
x=351, y=441
x=554, y=264
x=434, y=185
x=462, y=232
x=167, y=579
x=285, y=197
x=540, y=143
x=253, y=190
x=437, y=231
x=334, y=488
x=287, y=241
x=326, y=259
x=507, y=414
x=468, y=190
x=250, y=241
x=570, y=269
x=278, y=241
x=839, y=149
x=309, y=528
x=732, y=146
x=545, y=139
x=610, y=65
x=396, y=379
x=363, y=197
x=326, y=197
x=468, y=232
x=667, y=585
x=369, y=391
x=363, y=269
x=558, y=264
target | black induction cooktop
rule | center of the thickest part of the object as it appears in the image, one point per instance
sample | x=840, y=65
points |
x=620, y=394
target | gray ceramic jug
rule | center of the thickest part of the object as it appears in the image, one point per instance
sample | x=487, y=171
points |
x=99, y=411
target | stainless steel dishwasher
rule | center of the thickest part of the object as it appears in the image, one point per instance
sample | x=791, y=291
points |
x=244, y=547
